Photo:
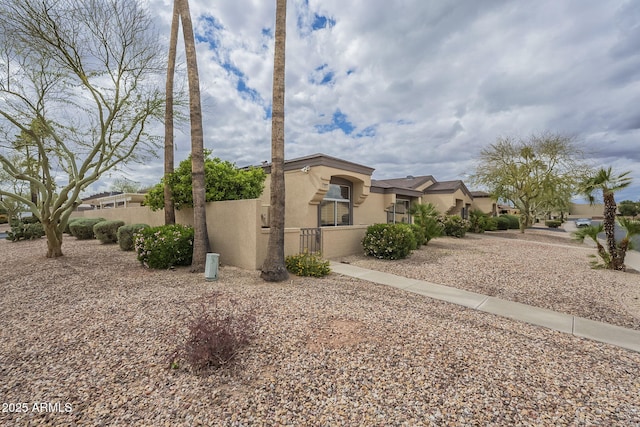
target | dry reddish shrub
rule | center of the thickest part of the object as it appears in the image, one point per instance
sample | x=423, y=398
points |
x=218, y=331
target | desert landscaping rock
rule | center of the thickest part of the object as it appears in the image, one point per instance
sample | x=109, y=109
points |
x=96, y=331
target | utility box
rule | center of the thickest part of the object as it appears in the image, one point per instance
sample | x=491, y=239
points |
x=211, y=267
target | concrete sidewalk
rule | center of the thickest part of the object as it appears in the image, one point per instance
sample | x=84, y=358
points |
x=578, y=326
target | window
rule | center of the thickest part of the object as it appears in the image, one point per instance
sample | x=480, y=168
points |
x=399, y=212
x=335, y=208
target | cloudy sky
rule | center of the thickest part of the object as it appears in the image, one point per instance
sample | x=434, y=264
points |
x=414, y=87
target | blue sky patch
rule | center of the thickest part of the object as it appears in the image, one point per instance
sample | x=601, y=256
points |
x=320, y=22
x=211, y=27
x=322, y=75
x=339, y=121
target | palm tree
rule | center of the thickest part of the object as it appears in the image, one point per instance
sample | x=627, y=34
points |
x=604, y=181
x=426, y=217
x=274, y=268
x=169, y=208
x=592, y=232
x=200, y=238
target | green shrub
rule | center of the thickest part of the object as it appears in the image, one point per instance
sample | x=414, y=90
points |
x=514, y=221
x=107, y=231
x=25, y=231
x=30, y=219
x=492, y=224
x=164, y=246
x=419, y=234
x=67, y=230
x=553, y=224
x=479, y=222
x=307, y=264
x=388, y=241
x=82, y=229
x=502, y=223
x=125, y=235
x=455, y=226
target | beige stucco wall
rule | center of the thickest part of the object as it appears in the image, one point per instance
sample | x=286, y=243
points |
x=130, y=215
x=372, y=211
x=581, y=210
x=342, y=241
x=445, y=202
x=233, y=227
x=485, y=204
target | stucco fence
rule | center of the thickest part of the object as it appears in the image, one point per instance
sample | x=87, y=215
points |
x=235, y=231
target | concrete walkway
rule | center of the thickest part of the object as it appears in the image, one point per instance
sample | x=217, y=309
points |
x=578, y=326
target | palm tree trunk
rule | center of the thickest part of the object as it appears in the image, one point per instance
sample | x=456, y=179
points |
x=274, y=268
x=200, y=239
x=169, y=208
x=609, y=229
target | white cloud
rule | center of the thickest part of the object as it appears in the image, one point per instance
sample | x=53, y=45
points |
x=422, y=86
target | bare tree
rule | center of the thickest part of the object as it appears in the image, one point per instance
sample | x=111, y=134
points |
x=274, y=268
x=86, y=73
x=201, y=237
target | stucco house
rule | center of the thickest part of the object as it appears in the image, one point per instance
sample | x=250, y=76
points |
x=329, y=204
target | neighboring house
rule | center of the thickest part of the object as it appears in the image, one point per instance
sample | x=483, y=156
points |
x=508, y=210
x=112, y=199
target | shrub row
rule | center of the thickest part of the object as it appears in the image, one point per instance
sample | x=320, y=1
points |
x=396, y=241
x=82, y=228
x=112, y=231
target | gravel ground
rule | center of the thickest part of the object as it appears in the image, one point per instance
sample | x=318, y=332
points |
x=90, y=336
x=540, y=268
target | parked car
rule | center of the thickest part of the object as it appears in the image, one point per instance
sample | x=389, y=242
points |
x=583, y=222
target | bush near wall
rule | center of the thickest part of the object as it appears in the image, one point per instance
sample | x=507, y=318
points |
x=67, y=230
x=455, y=226
x=4, y=219
x=553, y=224
x=125, y=235
x=514, y=221
x=165, y=246
x=502, y=223
x=107, y=231
x=307, y=264
x=82, y=228
x=389, y=241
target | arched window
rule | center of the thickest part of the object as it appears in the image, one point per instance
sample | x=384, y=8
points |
x=335, y=209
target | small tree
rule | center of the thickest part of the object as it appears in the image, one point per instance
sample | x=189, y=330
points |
x=537, y=174
x=223, y=181
x=79, y=86
x=603, y=181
